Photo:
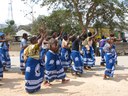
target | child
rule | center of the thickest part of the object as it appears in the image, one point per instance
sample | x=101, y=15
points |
x=65, y=53
x=101, y=45
x=114, y=39
x=54, y=69
x=4, y=47
x=34, y=72
x=109, y=71
x=76, y=56
x=1, y=65
x=1, y=70
x=23, y=45
x=44, y=48
x=88, y=56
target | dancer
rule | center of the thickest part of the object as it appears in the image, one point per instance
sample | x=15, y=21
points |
x=110, y=61
x=65, y=53
x=76, y=56
x=34, y=73
x=1, y=50
x=102, y=53
x=44, y=48
x=89, y=55
x=114, y=39
x=1, y=69
x=6, y=61
x=54, y=69
x=23, y=45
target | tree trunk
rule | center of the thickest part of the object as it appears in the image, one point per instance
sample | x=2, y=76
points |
x=79, y=14
x=90, y=15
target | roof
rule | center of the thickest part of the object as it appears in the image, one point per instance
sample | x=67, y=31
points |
x=2, y=26
x=21, y=32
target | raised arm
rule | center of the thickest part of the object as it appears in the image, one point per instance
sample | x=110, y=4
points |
x=60, y=35
x=45, y=42
x=43, y=35
x=94, y=34
x=2, y=40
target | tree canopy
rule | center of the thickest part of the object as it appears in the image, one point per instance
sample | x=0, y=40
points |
x=10, y=29
x=88, y=13
x=56, y=22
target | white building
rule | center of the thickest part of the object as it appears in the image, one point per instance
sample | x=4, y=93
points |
x=20, y=33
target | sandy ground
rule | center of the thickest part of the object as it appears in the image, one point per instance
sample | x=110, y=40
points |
x=91, y=84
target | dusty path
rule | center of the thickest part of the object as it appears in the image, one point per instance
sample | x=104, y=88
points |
x=91, y=84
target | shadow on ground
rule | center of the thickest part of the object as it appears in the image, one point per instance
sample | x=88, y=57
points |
x=61, y=87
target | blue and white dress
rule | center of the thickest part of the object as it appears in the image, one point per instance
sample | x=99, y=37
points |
x=78, y=64
x=1, y=67
x=65, y=58
x=102, y=53
x=54, y=69
x=34, y=69
x=60, y=46
x=6, y=61
x=114, y=53
x=22, y=63
x=110, y=61
x=88, y=57
x=76, y=57
x=34, y=74
x=43, y=51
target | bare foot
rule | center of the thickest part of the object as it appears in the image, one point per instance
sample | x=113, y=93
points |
x=65, y=81
x=105, y=77
x=5, y=69
x=79, y=75
x=23, y=73
x=47, y=84
x=102, y=65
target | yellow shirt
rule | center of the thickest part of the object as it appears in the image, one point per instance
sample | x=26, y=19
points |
x=70, y=45
x=32, y=51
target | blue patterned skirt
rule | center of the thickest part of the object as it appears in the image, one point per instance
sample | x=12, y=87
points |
x=34, y=75
x=6, y=61
x=78, y=64
x=110, y=62
x=88, y=57
x=65, y=58
x=102, y=54
x=54, y=69
x=1, y=69
x=22, y=63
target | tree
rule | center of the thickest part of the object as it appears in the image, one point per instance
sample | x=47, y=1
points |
x=55, y=22
x=74, y=6
x=87, y=12
x=11, y=27
x=38, y=23
x=25, y=27
x=112, y=14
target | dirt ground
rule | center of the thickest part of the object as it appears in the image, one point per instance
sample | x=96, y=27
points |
x=90, y=84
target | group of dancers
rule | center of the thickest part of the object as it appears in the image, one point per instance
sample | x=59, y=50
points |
x=48, y=58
